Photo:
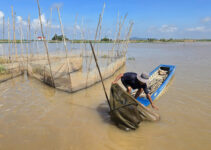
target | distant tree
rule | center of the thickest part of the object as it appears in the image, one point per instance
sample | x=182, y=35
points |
x=106, y=39
x=163, y=40
x=58, y=37
x=151, y=39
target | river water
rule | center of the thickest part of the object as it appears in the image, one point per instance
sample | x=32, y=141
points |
x=35, y=116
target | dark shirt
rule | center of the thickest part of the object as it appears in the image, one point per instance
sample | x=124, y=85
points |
x=130, y=79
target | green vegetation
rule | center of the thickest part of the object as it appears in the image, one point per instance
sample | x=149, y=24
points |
x=105, y=39
x=131, y=58
x=2, y=69
x=105, y=56
x=58, y=37
x=80, y=41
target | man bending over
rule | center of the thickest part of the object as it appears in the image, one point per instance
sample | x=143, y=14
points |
x=133, y=81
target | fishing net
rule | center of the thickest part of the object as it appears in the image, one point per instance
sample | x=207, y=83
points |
x=10, y=68
x=80, y=77
x=126, y=112
x=40, y=69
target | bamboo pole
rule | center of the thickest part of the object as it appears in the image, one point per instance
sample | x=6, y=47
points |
x=37, y=45
x=46, y=30
x=14, y=40
x=74, y=34
x=93, y=52
x=3, y=28
x=100, y=28
x=115, y=37
x=66, y=50
x=4, y=54
x=21, y=38
x=50, y=25
x=27, y=48
x=76, y=16
x=9, y=38
x=29, y=40
x=128, y=38
x=89, y=66
x=45, y=44
x=98, y=25
x=120, y=28
x=117, y=41
x=83, y=38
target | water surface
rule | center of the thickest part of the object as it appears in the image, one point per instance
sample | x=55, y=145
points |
x=36, y=116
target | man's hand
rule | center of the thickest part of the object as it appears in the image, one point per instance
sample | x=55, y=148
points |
x=117, y=78
x=155, y=107
x=114, y=82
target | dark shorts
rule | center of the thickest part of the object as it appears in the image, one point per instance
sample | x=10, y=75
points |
x=124, y=83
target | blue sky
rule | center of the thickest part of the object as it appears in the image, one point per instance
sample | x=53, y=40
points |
x=152, y=18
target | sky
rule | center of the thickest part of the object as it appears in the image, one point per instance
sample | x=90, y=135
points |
x=152, y=18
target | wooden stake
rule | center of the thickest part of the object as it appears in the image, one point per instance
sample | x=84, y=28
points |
x=99, y=37
x=117, y=40
x=4, y=54
x=93, y=52
x=98, y=25
x=21, y=37
x=128, y=38
x=9, y=38
x=89, y=66
x=37, y=45
x=65, y=45
x=45, y=44
x=14, y=40
x=29, y=40
x=3, y=28
x=50, y=25
x=27, y=49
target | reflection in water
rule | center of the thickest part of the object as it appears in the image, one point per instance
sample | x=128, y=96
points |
x=36, y=116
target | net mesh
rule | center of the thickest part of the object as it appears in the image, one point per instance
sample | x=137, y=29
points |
x=10, y=68
x=126, y=112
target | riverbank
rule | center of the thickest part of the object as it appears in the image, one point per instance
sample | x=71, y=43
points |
x=131, y=41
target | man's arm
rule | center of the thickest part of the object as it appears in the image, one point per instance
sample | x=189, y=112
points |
x=150, y=99
x=117, y=78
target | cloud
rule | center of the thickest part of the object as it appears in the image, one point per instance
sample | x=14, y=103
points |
x=206, y=19
x=45, y=23
x=56, y=5
x=55, y=26
x=200, y=29
x=168, y=28
x=1, y=16
x=77, y=27
x=20, y=20
x=36, y=22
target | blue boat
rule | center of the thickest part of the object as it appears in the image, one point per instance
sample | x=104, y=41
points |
x=159, y=78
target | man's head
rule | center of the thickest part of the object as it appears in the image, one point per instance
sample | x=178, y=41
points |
x=143, y=78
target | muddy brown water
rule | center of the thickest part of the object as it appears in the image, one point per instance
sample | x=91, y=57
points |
x=34, y=116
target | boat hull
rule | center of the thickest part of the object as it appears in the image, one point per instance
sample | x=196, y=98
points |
x=144, y=100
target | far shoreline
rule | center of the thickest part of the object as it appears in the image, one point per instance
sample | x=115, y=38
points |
x=130, y=41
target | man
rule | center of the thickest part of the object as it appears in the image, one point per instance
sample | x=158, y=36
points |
x=133, y=81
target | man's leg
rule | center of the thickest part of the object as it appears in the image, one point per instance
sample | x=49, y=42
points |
x=129, y=89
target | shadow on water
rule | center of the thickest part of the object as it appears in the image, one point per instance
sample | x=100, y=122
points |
x=103, y=110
